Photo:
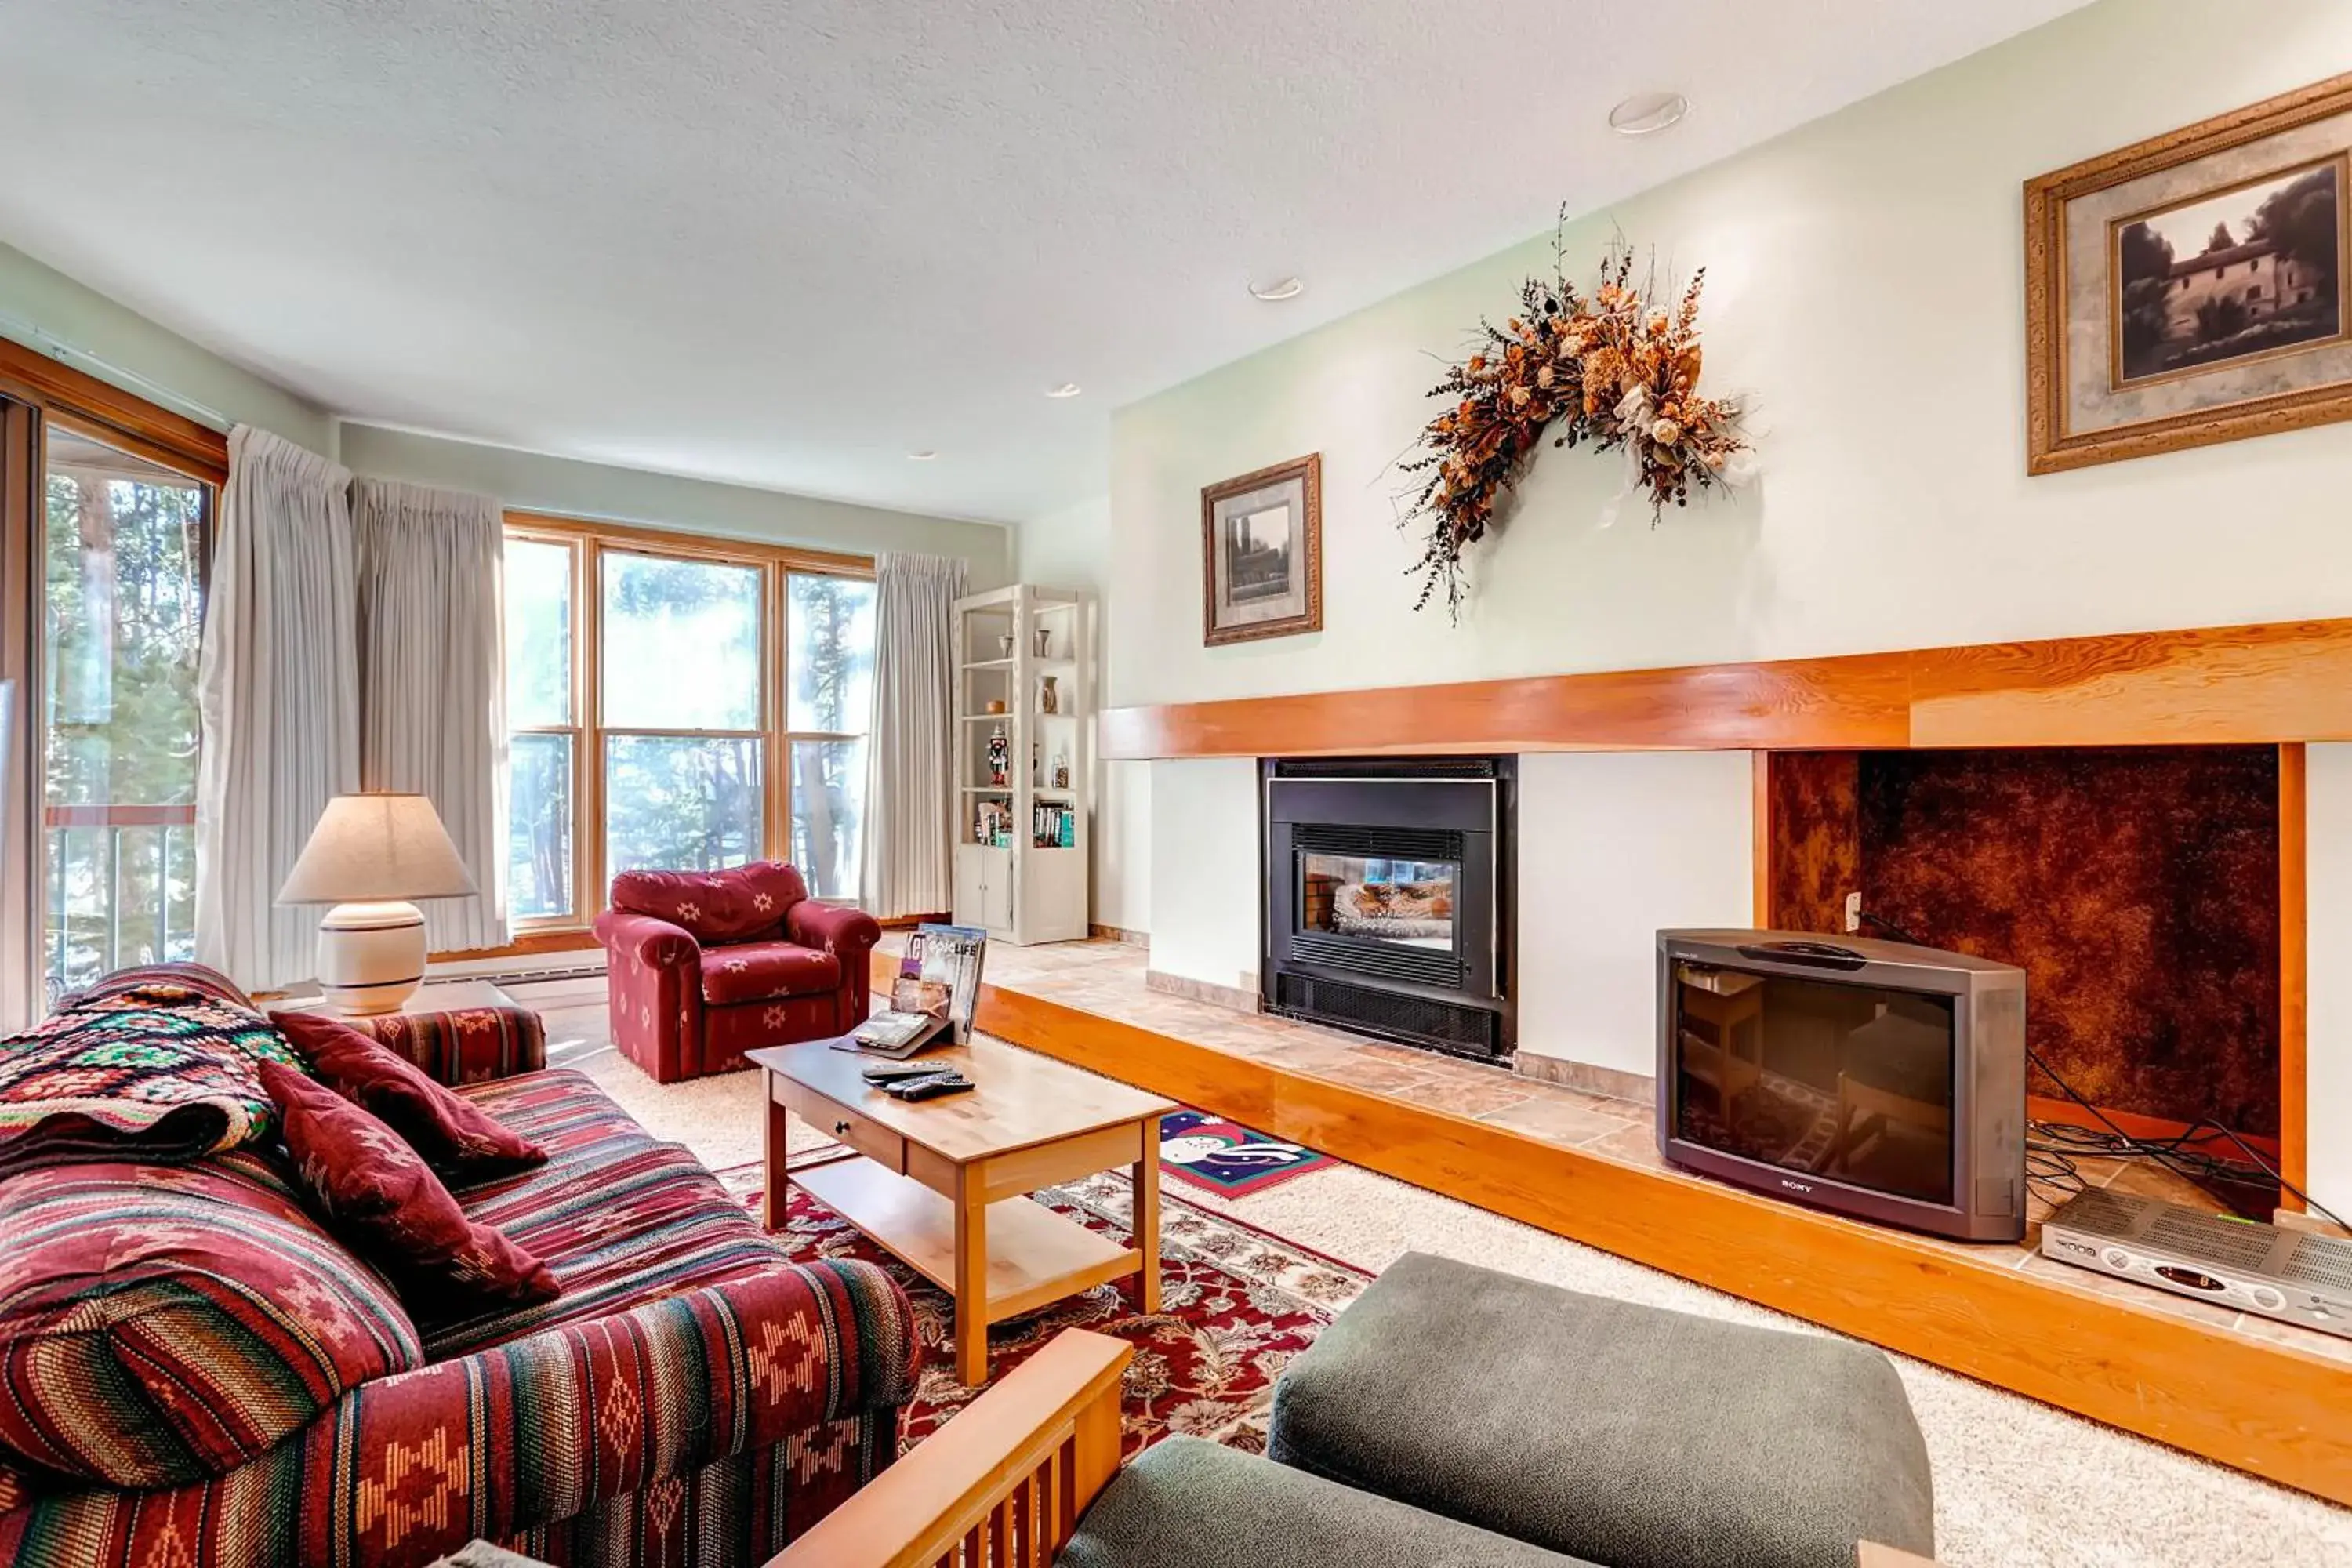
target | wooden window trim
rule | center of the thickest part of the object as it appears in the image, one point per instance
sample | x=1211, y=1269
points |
x=591, y=542
x=120, y=418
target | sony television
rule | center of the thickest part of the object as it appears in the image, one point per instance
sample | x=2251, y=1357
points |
x=1872, y=1078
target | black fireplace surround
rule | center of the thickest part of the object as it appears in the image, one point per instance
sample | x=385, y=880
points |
x=1388, y=898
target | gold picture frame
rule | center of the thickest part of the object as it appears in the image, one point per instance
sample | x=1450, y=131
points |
x=1262, y=553
x=2141, y=337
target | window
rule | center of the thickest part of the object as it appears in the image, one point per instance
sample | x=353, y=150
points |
x=122, y=618
x=680, y=703
x=685, y=761
x=829, y=673
x=543, y=740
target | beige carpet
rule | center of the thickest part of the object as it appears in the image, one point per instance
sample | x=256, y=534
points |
x=2018, y=1485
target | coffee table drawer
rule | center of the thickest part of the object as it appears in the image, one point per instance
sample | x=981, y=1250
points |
x=858, y=1130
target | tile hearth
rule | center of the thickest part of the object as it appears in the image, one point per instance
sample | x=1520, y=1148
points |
x=1106, y=978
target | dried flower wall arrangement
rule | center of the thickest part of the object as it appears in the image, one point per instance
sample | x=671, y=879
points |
x=1613, y=369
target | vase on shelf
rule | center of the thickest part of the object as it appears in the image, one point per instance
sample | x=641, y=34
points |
x=1049, y=699
x=1061, y=770
x=1045, y=642
x=999, y=755
x=1004, y=645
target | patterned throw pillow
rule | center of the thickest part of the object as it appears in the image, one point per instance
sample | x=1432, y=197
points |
x=161, y=1324
x=378, y=1196
x=453, y=1134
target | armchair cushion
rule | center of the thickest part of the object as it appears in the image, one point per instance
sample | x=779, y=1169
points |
x=1188, y=1503
x=741, y=903
x=385, y=1202
x=452, y=1134
x=161, y=1324
x=758, y=971
x=1605, y=1429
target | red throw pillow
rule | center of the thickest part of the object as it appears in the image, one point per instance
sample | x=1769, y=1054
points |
x=453, y=1134
x=384, y=1203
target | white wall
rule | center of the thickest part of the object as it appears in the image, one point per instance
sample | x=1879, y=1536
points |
x=569, y=487
x=42, y=308
x=1592, y=896
x=1205, y=854
x=1864, y=286
x=1071, y=549
x=1864, y=290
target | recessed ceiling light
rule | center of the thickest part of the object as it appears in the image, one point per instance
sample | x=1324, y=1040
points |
x=924, y=456
x=1647, y=114
x=1068, y=389
x=1280, y=289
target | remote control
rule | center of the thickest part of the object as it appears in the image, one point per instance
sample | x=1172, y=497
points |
x=893, y=1072
x=931, y=1087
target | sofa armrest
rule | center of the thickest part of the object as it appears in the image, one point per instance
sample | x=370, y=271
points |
x=646, y=1396
x=469, y=1044
x=406, y=1468
x=1044, y=1441
x=849, y=934
x=840, y=929
x=646, y=941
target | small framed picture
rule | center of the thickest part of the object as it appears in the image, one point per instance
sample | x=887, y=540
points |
x=1262, y=553
x=2192, y=288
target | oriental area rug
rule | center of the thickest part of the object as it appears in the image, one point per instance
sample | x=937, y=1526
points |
x=1237, y=1303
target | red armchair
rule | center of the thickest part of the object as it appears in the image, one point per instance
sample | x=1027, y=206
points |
x=703, y=966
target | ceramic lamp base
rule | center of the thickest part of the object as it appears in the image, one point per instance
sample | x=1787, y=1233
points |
x=371, y=956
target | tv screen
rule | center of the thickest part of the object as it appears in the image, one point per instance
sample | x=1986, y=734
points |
x=1852, y=1082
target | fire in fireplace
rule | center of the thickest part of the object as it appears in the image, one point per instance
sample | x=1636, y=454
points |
x=1388, y=898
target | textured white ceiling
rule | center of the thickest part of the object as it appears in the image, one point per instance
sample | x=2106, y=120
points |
x=783, y=244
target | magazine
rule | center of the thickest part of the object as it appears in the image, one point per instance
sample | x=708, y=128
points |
x=940, y=975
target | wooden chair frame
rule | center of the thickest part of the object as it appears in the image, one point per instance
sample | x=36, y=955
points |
x=1001, y=1486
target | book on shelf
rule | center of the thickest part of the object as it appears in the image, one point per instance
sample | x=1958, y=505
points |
x=1053, y=825
x=940, y=975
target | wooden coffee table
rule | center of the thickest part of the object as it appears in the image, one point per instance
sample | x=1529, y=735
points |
x=943, y=1182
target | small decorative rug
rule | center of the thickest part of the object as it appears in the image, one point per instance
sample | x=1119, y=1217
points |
x=1200, y=1150
x=1236, y=1304
x=1221, y=1156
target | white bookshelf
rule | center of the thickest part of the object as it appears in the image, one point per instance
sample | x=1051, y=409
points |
x=1020, y=887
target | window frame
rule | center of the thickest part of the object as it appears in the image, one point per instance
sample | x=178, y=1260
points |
x=37, y=390
x=592, y=542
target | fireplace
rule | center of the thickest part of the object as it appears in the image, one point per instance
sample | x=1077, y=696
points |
x=1388, y=899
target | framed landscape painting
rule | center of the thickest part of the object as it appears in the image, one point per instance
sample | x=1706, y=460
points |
x=1262, y=553
x=2191, y=289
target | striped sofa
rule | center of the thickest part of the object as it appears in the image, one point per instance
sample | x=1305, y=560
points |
x=690, y=1399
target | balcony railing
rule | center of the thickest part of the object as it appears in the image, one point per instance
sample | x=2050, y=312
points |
x=120, y=890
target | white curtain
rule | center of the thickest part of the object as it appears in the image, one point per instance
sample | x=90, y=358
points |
x=909, y=796
x=432, y=681
x=279, y=694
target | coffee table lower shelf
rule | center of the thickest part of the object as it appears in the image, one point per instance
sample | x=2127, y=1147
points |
x=1034, y=1256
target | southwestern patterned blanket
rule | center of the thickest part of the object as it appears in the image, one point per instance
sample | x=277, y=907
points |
x=162, y=1064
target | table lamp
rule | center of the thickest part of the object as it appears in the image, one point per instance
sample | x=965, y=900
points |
x=369, y=855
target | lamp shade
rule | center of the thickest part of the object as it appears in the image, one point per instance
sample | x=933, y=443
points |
x=368, y=847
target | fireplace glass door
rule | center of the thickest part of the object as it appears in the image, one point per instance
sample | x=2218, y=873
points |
x=1407, y=902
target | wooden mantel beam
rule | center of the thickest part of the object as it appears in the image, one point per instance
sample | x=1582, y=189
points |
x=2278, y=681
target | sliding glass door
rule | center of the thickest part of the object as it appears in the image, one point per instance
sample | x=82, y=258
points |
x=122, y=550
